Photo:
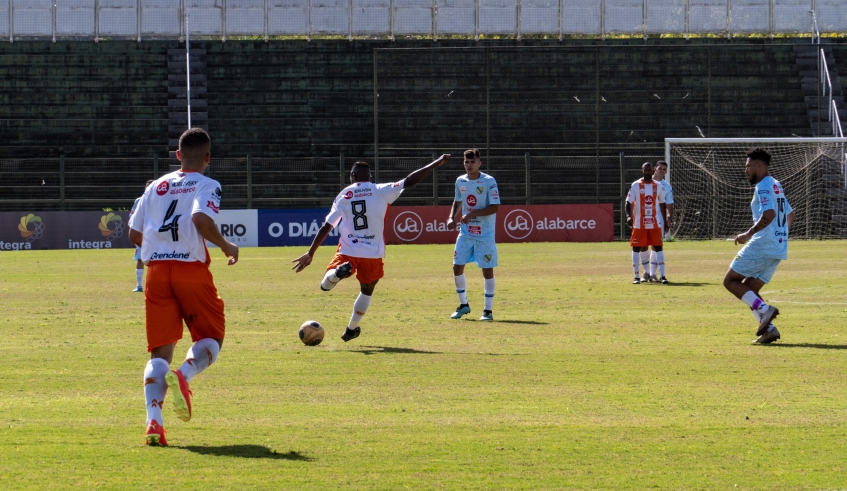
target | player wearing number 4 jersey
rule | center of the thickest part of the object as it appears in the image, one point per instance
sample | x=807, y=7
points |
x=359, y=213
x=175, y=214
x=766, y=244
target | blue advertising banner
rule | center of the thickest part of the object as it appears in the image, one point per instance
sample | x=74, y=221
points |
x=292, y=227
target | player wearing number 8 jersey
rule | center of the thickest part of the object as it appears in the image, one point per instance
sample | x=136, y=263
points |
x=766, y=244
x=359, y=213
x=175, y=215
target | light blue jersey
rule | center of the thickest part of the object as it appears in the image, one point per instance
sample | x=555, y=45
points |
x=476, y=194
x=772, y=241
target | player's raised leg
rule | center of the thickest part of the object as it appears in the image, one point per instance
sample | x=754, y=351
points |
x=745, y=288
x=335, y=274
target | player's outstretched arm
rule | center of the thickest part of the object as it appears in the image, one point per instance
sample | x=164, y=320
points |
x=208, y=230
x=418, y=175
x=306, y=259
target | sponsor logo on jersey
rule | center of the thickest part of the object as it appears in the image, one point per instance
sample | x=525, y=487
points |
x=348, y=195
x=182, y=184
x=518, y=224
x=183, y=190
x=780, y=233
x=474, y=229
x=363, y=237
x=471, y=200
x=217, y=195
x=764, y=201
x=775, y=189
x=396, y=185
x=648, y=200
x=212, y=206
x=495, y=194
x=362, y=195
x=114, y=232
x=162, y=188
x=764, y=191
x=172, y=255
x=479, y=189
x=463, y=190
x=408, y=226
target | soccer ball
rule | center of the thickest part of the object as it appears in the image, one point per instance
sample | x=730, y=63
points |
x=311, y=333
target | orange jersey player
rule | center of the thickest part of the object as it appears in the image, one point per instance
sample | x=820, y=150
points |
x=175, y=214
x=359, y=212
x=644, y=202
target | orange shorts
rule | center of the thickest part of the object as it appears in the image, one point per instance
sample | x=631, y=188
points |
x=642, y=237
x=180, y=291
x=367, y=270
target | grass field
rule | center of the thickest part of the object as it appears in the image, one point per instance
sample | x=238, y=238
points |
x=583, y=382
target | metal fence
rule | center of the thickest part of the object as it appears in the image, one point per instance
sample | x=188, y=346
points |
x=165, y=19
x=279, y=183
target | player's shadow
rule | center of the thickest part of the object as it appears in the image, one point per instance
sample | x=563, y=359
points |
x=375, y=350
x=246, y=452
x=809, y=345
x=689, y=283
x=511, y=321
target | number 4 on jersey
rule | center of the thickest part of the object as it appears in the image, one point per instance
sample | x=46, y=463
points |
x=173, y=226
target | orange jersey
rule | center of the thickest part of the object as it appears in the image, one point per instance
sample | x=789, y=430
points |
x=645, y=198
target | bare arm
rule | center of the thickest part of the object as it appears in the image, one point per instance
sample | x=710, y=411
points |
x=765, y=220
x=791, y=216
x=663, y=209
x=488, y=210
x=135, y=237
x=628, y=208
x=418, y=175
x=306, y=259
x=208, y=230
x=451, y=222
x=670, y=214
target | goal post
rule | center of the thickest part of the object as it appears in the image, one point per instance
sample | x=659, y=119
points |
x=712, y=194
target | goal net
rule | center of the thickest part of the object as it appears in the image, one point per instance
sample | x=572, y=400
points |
x=712, y=194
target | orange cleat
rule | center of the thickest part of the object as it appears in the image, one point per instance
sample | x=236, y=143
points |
x=156, y=434
x=181, y=394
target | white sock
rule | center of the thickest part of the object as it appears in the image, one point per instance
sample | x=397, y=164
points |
x=461, y=288
x=489, y=294
x=330, y=280
x=653, y=263
x=754, y=302
x=660, y=258
x=155, y=388
x=645, y=261
x=636, y=258
x=200, y=355
x=359, y=308
x=139, y=276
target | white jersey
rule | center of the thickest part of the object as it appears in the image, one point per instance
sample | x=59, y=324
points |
x=359, y=214
x=164, y=217
x=666, y=187
x=645, y=198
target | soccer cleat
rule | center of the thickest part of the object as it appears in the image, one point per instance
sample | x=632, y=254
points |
x=138, y=289
x=344, y=271
x=646, y=278
x=664, y=280
x=767, y=318
x=768, y=337
x=460, y=311
x=636, y=281
x=181, y=394
x=487, y=316
x=351, y=334
x=653, y=279
x=156, y=434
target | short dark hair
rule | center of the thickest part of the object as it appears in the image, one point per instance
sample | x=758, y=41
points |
x=147, y=185
x=360, y=164
x=193, y=144
x=759, y=153
x=473, y=153
x=661, y=162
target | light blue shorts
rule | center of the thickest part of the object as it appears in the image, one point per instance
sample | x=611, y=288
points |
x=137, y=255
x=481, y=251
x=750, y=265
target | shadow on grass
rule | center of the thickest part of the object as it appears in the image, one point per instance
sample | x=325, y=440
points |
x=689, y=283
x=246, y=451
x=536, y=323
x=373, y=350
x=806, y=345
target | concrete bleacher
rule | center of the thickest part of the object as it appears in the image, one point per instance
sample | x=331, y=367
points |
x=82, y=99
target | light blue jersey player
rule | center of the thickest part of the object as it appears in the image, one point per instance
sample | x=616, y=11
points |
x=766, y=244
x=479, y=198
x=139, y=264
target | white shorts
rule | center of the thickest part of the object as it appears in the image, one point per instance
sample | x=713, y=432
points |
x=481, y=251
x=750, y=265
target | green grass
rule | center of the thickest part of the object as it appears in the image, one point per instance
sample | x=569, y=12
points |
x=584, y=381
